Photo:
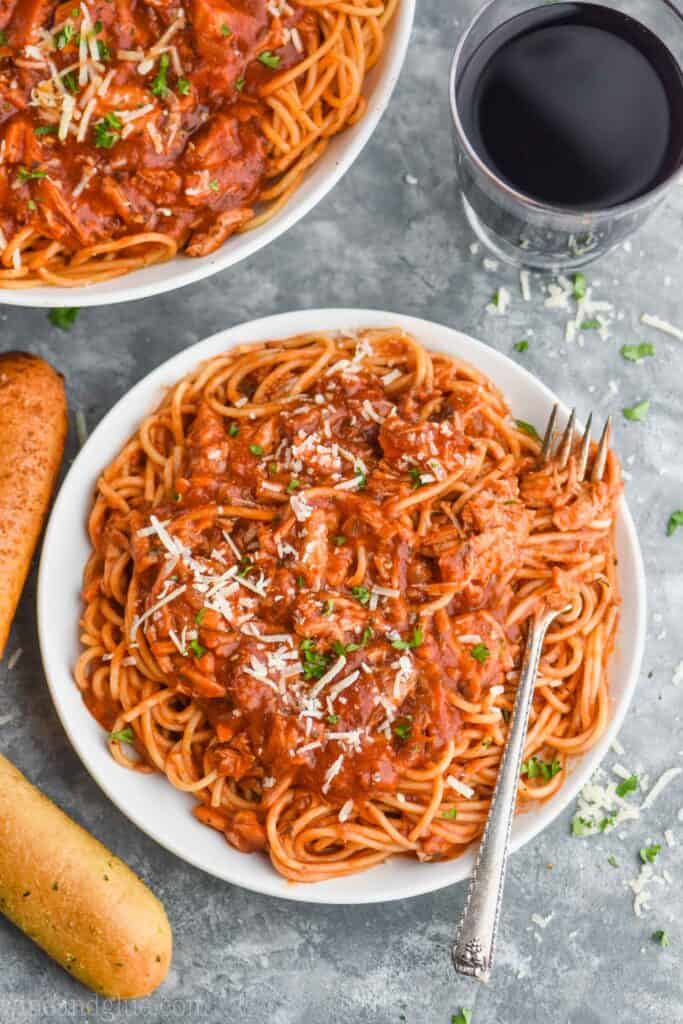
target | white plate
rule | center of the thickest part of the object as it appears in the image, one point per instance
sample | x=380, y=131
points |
x=149, y=800
x=334, y=163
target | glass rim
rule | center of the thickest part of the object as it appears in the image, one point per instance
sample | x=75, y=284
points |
x=560, y=212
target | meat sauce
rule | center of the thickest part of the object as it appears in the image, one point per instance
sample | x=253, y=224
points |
x=162, y=114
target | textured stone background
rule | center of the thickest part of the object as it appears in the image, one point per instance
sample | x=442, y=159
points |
x=378, y=241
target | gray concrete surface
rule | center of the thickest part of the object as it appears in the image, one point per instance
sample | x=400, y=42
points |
x=381, y=242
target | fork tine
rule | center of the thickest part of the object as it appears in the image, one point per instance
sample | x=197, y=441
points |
x=548, y=439
x=565, y=449
x=601, y=456
x=585, y=450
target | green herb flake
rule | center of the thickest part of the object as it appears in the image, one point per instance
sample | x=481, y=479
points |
x=107, y=131
x=480, y=653
x=240, y=83
x=32, y=205
x=64, y=318
x=123, y=735
x=328, y=607
x=451, y=813
x=214, y=186
x=233, y=430
x=332, y=719
x=293, y=485
x=521, y=346
x=183, y=87
x=409, y=645
x=46, y=129
x=629, y=785
x=637, y=413
x=103, y=51
x=64, y=36
x=197, y=648
x=580, y=286
x=581, y=826
x=635, y=353
x=404, y=728
x=415, y=477
x=256, y=449
x=269, y=60
x=24, y=175
x=159, y=86
x=69, y=81
x=612, y=861
x=607, y=821
x=361, y=594
x=199, y=617
x=339, y=540
x=226, y=31
x=661, y=937
x=675, y=520
x=527, y=428
x=534, y=768
x=314, y=662
x=649, y=854
x=464, y=1017
x=3, y=38
x=591, y=325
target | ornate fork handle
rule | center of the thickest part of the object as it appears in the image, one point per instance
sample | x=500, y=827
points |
x=476, y=938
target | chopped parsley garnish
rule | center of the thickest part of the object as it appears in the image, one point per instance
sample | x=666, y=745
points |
x=361, y=479
x=339, y=540
x=534, y=768
x=591, y=325
x=634, y=353
x=527, y=428
x=233, y=430
x=64, y=37
x=199, y=617
x=661, y=937
x=69, y=81
x=581, y=826
x=103, y=50
x=328, y=607
x=256, y=449
x=240, y=83
x=314, y=662
x=23, y=174
x=637, y=413
x=451, y=813
x=123, y=736
x=183, y=86
x=107, y=131
x=361, y=594
x=648, y=854
x=159, y=86
x=340, y=650
x=3, y=38
x=63, y=318
x=607, y=821
x=675, y=520
x=480, y=653
x=31, y=205
x=214, y=186
x=97, y=27
x=332, y=719
x=521, y=346
x=246, y=566
x=580, y=286
x=404, y=728
x=270, y=60
x=612, y=861
x=293, y=485
x=415, y=477
x=464, y=1017
x=197, y=648
x=272, y=468
x=629, y=785
x=46, y=129
x=408, y=645
x=226, y=31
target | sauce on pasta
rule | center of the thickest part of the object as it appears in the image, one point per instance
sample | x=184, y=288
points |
x=312, y=572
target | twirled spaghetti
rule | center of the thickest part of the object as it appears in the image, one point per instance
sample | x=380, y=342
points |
x=134, y=129
x=312, y=572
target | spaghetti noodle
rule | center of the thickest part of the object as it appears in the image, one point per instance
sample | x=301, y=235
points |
x=130, y=131
x=312, y=572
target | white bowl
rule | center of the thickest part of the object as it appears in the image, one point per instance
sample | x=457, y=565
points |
x=149, y=800
x=321, y=179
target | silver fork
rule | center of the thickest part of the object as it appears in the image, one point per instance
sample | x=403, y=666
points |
x=475, y=942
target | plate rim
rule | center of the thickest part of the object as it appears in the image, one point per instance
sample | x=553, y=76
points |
x=342, y=158
x=282, y=325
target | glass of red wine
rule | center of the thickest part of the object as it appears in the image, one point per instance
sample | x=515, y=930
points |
x=568, y=121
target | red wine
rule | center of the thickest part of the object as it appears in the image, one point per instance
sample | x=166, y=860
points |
x=575, y=105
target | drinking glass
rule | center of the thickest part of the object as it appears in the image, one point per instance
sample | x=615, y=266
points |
x=522, y=230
